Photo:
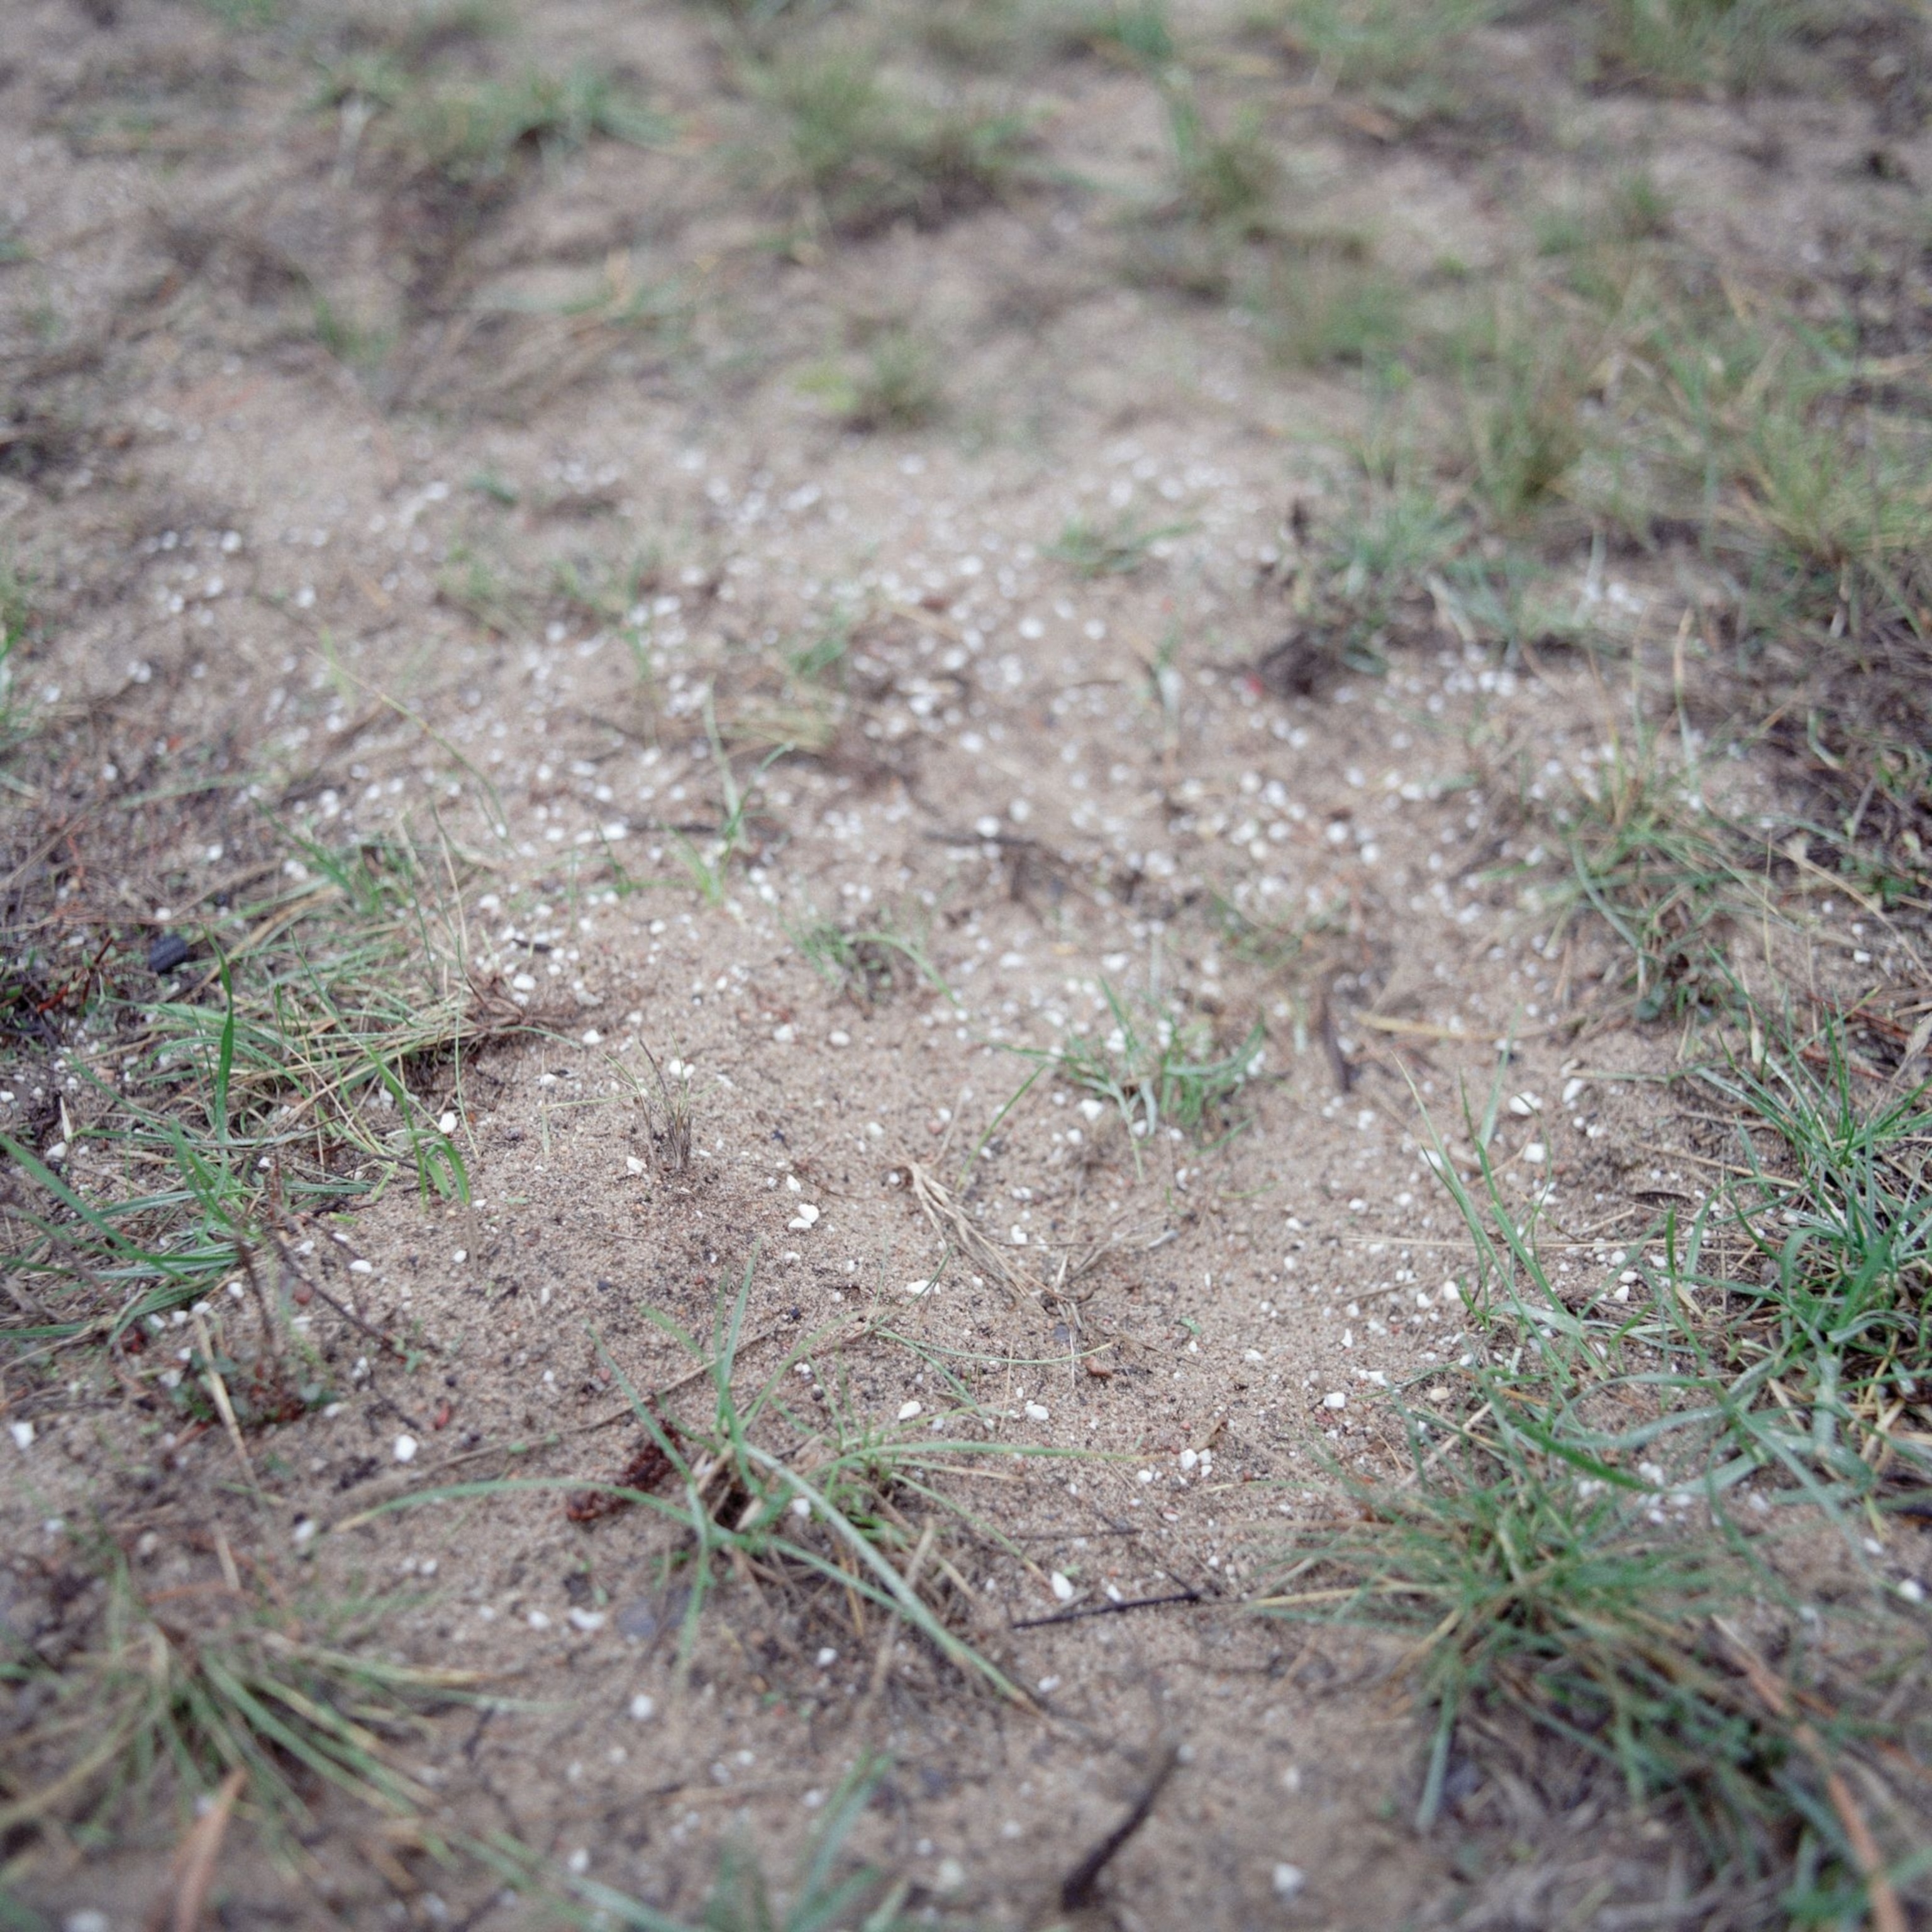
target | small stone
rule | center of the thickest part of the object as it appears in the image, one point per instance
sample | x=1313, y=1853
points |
x=405, y=1449
x=447, y=1123
x=920, y=1287
x=907, y=1410
x=87, y=1919
x=807, y=1217
x=538, y=1620
x=304, y=1532
x=827, y=1657
x=23, y=1433
x=643, y=1708
x=362, y=1267
x=166, y=952
x=587, y=1620
x=839, y=1038
x=1036, y=1411
x=1062, y=1590
x=1290, y=1882
x=1335, y=1398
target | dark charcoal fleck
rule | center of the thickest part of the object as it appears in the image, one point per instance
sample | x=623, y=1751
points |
x=167, y=952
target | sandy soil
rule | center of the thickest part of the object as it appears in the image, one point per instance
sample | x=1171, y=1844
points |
x=337, y=584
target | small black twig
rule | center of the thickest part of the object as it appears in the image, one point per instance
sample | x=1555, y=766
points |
x=1076, y=1889
x=1108, y=1610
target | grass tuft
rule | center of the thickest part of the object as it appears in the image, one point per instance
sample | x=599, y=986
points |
x=860, y=155
x=173, y=1696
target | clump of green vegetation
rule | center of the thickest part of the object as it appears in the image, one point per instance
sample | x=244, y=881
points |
x=805, y=1494
x=867, y=964
x=160, y=1702
x=859, y=154
x=1688, y=46
x=1157, y=1066
x=1138, y=32
x=1117, y=549
x=1327, y=300
x=1560, y=1611
x=1402, y=55
x=473, y=133
x=893, y=384
x=287, y=1073
x=1227, y=180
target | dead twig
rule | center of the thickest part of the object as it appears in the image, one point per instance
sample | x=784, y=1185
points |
x=1077, y=1888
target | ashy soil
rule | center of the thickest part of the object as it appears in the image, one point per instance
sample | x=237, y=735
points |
x=563, y=515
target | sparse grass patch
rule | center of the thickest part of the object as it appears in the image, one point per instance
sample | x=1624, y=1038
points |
x=293, y=1070
x=170, y=1693
x=892, y=384
x=824, y=1889
x=1663, y=870
x=1564, y=1614
x=473, y=133
x=859, y=154
x=1116, y=549
x=797, y=1495
x=1689, y=45
x=1327, y=301
x=868, y=964
x=1157, y=1066
x=1403, y=55
x=1224, y=179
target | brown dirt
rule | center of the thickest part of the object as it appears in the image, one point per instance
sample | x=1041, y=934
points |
x=249, y=549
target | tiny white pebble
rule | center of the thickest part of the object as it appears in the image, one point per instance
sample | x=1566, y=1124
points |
x=304, y=1532
x=23, y=1433
x=839, y=1038
x=1335, y=1398
x=538, y=1620
x=405, y=1449
x=643, y=1705
x=1036, y=1411
x=827, y=1657
x=1289, y=1881
x=1912, y=1591
x=461, y=1255
x=447, y=1124
x=587, y=1620
x=807, y=1217
x=1062, y=1589
x=362, y=1267
x=907, y=1410
x=579, y=1861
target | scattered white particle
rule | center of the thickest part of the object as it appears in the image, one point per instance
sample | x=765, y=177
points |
x=304, y=1532
x=920, y=1287
x=1036, y=1412
x=1062, y=1590
x=579, y=1861
x=362, y=1267
x=446, y=1124
x=587, y=1620
x=1912, y=1590
x=907, y=1410
x=807, y=1217
x=642, y=1706
x=826, y=1658
x=404, y=1450
x=23, y=1433
x=1335, y=1398
x=538, y=1620
x=461, y=1255
x=1289, y=1881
